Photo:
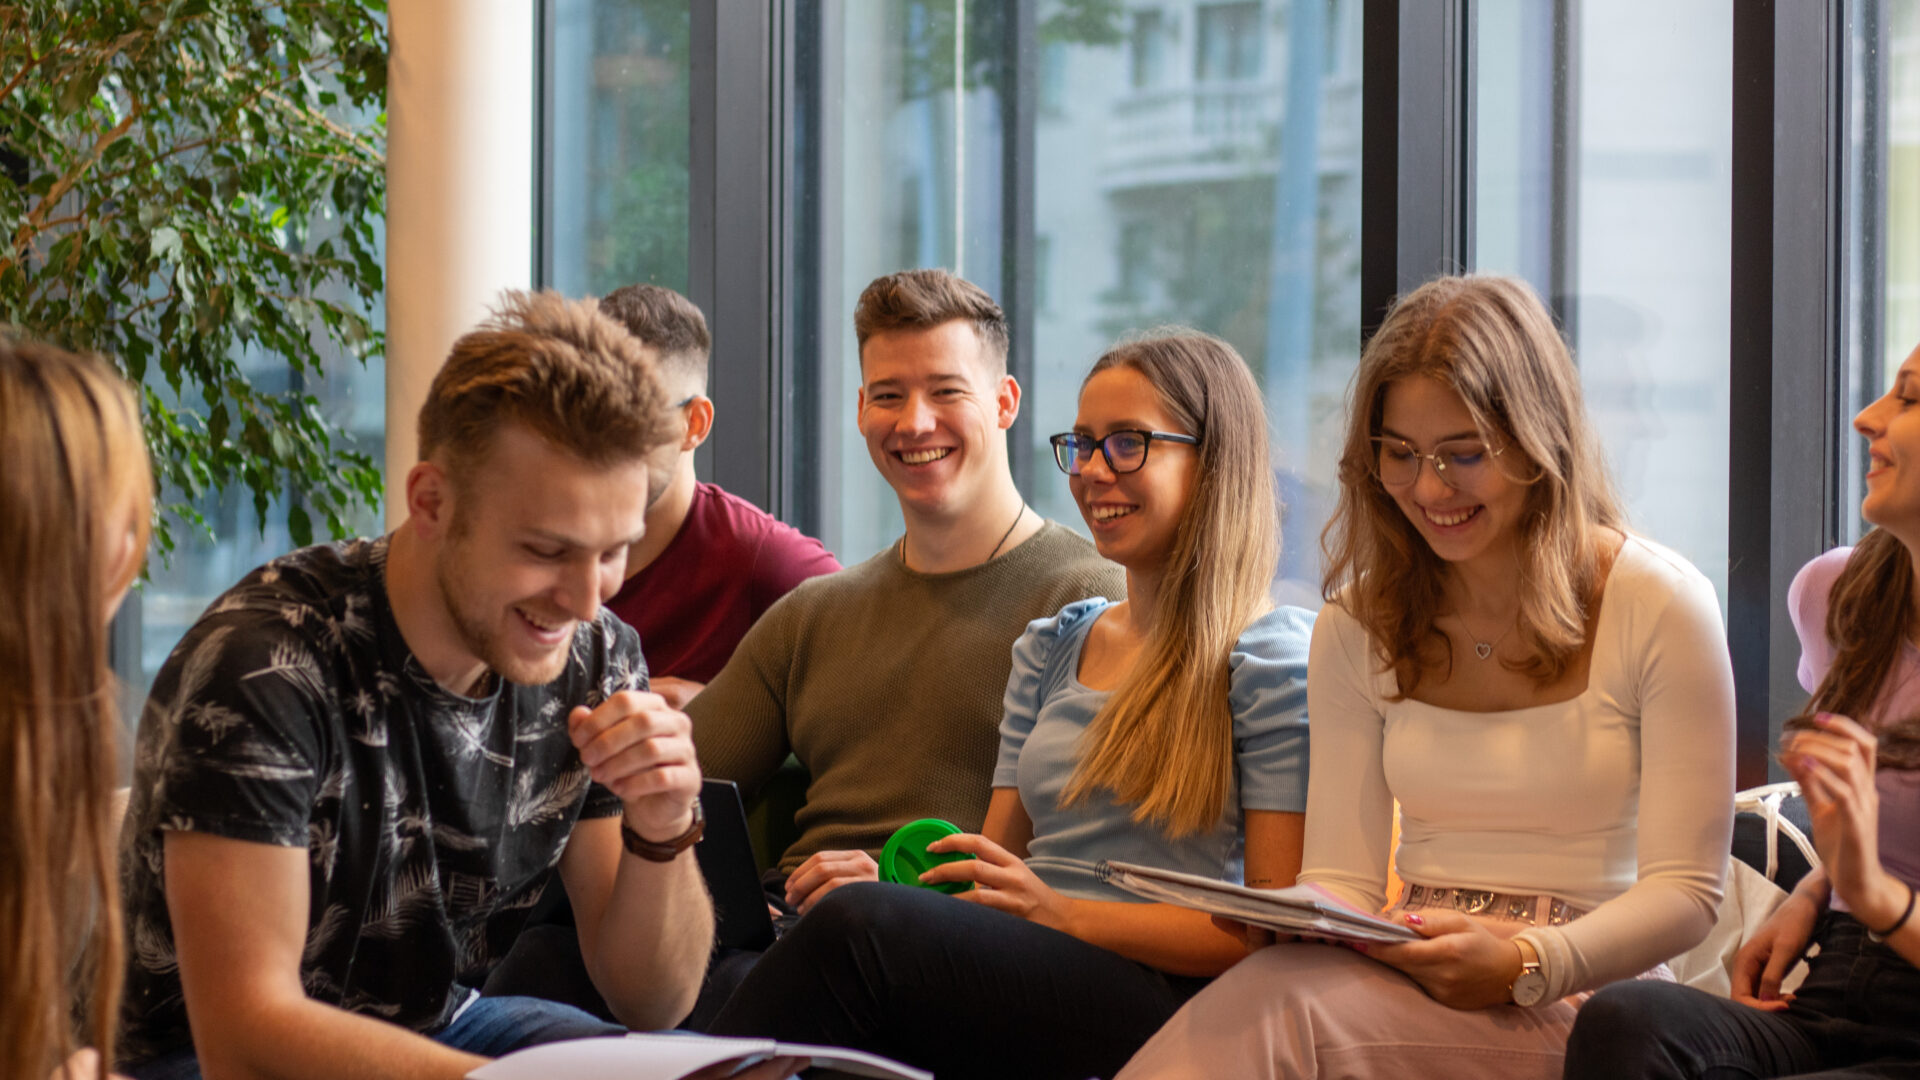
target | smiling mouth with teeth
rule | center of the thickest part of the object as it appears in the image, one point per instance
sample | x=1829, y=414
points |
x=543, y=627
x=1108, y=513
x=922, y=457
x=1447, y=520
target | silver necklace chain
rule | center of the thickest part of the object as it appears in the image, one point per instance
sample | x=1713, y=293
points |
x=1483, y=649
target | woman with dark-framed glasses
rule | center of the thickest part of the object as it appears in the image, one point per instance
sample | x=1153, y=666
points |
x=1546, y=695
x=1167, y=729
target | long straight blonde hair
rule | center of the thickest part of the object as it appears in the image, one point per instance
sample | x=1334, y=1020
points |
x=1491, y=340
x=1164, y=740
x=74, y=490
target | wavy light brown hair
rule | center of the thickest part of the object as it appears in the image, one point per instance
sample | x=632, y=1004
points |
x=75, y=487
x=1491, y=340
x=1869, y=616
x=1164, y=740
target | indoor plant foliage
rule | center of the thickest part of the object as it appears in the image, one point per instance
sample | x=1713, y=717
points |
x=183, y=182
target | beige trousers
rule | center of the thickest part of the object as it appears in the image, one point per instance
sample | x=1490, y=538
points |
x=1321, y=1012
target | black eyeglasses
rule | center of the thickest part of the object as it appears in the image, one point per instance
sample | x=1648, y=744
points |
x=1125, y=451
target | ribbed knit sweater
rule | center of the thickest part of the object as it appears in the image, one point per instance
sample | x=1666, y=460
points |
x=887, y=684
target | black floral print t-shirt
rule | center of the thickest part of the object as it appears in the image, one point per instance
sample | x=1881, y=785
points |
x=294, y=714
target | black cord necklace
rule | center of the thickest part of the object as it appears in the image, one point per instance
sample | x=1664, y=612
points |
x=1009, y=532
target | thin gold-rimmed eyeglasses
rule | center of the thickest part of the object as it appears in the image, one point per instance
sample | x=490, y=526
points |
x=1459, y=463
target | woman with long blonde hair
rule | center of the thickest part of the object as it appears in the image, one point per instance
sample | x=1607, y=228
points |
x=75, y=495
x=1165, y=729
x=1546, y=695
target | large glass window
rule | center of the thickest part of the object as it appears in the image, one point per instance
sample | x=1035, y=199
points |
x=1194, y=163
x=1603, y=174
x=1883, y=210
x=618, y=121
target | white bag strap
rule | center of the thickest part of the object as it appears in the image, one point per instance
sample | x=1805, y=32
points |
x=1765, y=801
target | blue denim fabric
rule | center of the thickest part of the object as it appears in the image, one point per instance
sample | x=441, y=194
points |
x=490, y=1027
x=1857, y=1015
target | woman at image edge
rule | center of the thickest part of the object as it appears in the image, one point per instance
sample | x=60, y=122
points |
x=1503, y=658
x=1165, y=729
x=74, y=502
x=1856, y=754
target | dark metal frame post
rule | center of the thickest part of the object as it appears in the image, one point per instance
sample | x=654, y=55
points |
x=733, y=252
x=543, y=163
x=1019, y=98
x=1416, y=169
x=1787, y=341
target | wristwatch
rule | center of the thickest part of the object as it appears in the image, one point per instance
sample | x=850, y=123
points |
x=1530, y=986
x=665, y=850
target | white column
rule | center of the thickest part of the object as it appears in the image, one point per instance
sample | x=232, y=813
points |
x=460, y=101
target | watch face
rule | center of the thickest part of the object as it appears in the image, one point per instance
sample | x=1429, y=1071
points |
x=1529, y=988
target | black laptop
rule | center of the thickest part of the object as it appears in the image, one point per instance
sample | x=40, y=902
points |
x=740, y=913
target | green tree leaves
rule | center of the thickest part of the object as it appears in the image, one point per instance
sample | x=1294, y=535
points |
x=195, y=188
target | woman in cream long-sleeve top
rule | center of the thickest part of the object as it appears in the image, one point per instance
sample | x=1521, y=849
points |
x=1547, y=696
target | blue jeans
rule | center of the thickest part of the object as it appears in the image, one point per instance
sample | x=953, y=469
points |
x=1857, y=1015
x=490, y=1027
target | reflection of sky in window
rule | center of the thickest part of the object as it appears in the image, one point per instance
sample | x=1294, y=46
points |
x=1156, y=197
x=1645, y=252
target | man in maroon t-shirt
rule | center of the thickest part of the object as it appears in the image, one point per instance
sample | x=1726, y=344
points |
x=707, y=566
x=710, y=563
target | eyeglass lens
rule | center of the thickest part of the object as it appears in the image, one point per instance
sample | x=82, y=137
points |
x=1125, y=451
x=1456, y=463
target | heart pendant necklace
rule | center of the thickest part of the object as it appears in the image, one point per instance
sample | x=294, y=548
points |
x=1482, y=649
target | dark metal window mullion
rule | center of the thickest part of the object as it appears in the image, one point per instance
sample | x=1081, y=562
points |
x=1416, y=148
x=1787, y=341
x=735, y=75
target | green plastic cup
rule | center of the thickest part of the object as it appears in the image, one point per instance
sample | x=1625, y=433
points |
x=906, y=857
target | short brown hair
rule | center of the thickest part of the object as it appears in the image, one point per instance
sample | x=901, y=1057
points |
x=923, y=299
x=667, y=321
x=572, y=375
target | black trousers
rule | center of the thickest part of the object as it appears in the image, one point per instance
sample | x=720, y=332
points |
x=959, y=989
x=1857, y=1015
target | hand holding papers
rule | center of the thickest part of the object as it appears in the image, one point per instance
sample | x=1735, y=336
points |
x=1301, y=909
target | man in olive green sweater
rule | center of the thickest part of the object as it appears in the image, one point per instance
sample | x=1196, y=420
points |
x=886, y=678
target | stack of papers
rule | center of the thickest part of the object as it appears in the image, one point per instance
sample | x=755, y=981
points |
x=1301, y=909
x=672, y=1056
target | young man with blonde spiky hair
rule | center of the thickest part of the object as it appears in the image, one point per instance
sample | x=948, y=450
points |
x=365, y=762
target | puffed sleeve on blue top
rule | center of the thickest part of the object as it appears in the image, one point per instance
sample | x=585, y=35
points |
x=1267, y=690
x=1025, y=683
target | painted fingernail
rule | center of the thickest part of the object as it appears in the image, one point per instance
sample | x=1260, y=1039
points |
x=1415, y=920
x=1823, y=718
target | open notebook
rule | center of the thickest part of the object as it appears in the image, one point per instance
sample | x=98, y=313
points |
x=671, y=1056
x=1300, y=909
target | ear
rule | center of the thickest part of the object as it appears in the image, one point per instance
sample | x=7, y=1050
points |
x=1008, y=400
x=699, y=422
x=859, y=403
x=429, y=500
x=123, y=567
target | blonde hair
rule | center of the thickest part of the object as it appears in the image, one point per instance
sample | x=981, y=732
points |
x=1164, y=740
x=1490, y=340
x=75, y=486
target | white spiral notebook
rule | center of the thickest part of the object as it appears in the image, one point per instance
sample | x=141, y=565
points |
x=1299, y=909
x=671, y=1056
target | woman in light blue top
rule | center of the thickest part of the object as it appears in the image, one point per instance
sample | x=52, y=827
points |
x=1169, y=729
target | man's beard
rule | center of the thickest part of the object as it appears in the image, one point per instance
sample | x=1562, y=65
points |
x=480, y=639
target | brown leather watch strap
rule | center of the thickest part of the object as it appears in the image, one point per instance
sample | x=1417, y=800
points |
x=665, y=850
